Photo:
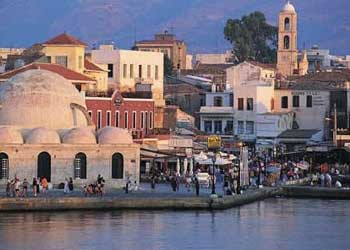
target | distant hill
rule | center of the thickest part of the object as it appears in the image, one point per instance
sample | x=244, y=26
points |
x=199, y=22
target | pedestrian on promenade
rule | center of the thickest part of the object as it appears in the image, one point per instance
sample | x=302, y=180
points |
x=173, y=183
x=100, y=185
x=127, y=185
x=17, y=185
x=196, y=183
x=44, y=184
x=25, y=186
x=177, y=179
x=135, y=187
x=328, y=180
x=322, y=179
x=153, y=183
x=66, y=188
x=8, y=188
x=35, y=186
x=70, y=184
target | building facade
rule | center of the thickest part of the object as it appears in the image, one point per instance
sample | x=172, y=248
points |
x=166, y=43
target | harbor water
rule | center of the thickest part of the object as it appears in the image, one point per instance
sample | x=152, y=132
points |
x=266, y=225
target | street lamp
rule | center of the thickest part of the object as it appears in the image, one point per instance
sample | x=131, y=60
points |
x=213, y=177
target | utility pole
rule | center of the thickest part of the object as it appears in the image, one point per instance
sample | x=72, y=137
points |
x=335, y=127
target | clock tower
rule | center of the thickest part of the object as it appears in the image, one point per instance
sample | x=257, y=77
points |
x=287, y=55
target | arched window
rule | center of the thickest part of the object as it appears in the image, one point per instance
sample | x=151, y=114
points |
x=117, y=166
x=80, y=166
x=44, y=166
x=4, y=166
x=286, y=42
x=287, y=24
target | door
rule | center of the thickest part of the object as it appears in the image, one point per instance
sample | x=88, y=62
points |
x=44, y=165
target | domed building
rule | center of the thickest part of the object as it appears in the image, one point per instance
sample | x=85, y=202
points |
x=46, y=131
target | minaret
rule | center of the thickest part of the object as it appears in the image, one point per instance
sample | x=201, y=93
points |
x=287, y=55
x=303, y=64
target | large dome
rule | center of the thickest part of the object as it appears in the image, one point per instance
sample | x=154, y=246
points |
x=113, y=135
x=43, y=136
x=40, y=98
x=288, y=7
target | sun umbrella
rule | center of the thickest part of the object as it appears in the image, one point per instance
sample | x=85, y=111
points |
x=178, y=166
x=191, y=166
x=185, y=165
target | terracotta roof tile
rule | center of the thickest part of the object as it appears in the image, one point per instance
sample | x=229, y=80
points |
x=56, y=68
x=91, y=66
x=65, y=39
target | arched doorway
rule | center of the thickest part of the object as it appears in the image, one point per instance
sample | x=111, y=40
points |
x=117, y=166
x=80, y=166
x=44, y=165
x=4, y=166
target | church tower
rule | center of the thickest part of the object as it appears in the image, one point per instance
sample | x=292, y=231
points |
x=287, y=55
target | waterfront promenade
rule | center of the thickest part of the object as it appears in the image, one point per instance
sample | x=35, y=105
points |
x=161, y=198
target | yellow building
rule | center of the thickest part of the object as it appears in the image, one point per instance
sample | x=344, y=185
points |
x=166, y=43
x=69, y=52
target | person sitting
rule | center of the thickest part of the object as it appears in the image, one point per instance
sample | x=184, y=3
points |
x=44, y=184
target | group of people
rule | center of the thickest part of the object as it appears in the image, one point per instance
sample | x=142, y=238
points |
x=96, y=188
x=16, y=188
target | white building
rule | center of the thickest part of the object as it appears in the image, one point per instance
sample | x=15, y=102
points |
x=223, y=58
x=253, y=87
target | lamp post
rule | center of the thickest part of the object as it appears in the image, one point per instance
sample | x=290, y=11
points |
x=213, y=177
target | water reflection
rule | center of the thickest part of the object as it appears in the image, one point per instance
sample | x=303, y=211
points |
x=271, y=224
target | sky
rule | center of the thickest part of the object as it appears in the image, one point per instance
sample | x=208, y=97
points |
x=199, y=22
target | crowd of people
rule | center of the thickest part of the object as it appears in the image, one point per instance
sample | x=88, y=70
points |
x=17, y=188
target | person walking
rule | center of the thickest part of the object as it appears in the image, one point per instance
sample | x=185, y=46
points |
x=35, y=186
x=66, y=188
x=153, y=183
x=196, y=183
x=25, y=186
x=127, y=184
x=70, y=184
x=17, y=185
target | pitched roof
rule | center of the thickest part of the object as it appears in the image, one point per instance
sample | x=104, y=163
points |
x=56, y=68
x=298, y=133
x=65, y=39
x=91, y=66
x=270, y=66
x=182, y=88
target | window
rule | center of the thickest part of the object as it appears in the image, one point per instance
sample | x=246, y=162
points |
x=99, y=119
x=217, y=101
x=240, y=103
x=90, y=113
x=4, y=166
x=218, y=127
x=126, y=119
x=229, y=127
x=286, y=42
x=295, y=101
x=80, y=62
x=287, y=24
x=116, y=119
x=231, y=100
x=150, y=120
x=108, y=118
x=142, y=120
x=131, y=70
x=250, y=104
x=249, y=129
x=117, y=166
x=284, y=102
x=140, y=71
x=208, y=127
x=110, y=70
x=48, y=59
x=240, y=127
x=309, y=101
x=80, y=166
x=156, y=74
x=148, y=71
x=134, y=119
x=125, y=70
x=146, y=120
x=62, y=60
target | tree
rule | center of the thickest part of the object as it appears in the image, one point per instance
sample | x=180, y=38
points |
x=252, y=38
x=168, y=66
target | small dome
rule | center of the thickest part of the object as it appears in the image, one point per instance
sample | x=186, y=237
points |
x=79, y=136
x=113, y=135
x=288, y=7
x=43, y=136
x=10, y=135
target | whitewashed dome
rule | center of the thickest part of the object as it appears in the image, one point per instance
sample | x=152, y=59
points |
x=113, y=135
x=43, y=136
x=10, y=135
x=40, y=98
x=79, y=136
x=288, y=7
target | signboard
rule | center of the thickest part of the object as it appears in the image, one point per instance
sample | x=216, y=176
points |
x=180, y=143
x=214, y=142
